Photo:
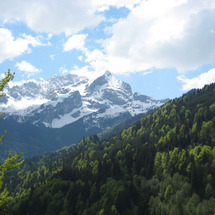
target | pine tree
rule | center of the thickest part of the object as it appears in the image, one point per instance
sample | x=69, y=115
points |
x=12, y=160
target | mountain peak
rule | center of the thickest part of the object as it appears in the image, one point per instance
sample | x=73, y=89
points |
x=100, y=81
x=107, y=73
x=65, y=99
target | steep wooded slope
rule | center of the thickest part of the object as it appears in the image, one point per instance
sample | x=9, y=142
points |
x=164, y=164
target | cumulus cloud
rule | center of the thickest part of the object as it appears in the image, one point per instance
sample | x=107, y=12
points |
x=161, y=34
x=198, y=82
x=28, y=68
x=80, y=58
x=51, y=16
x=87, y=72
x=52, y=56
x=63, y=70
x=54, y=16
x=76, y=41
x=97, y=60
x=11, y=47
x=104, y=4
x=155, y=34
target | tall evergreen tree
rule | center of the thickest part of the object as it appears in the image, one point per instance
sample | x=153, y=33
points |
x=12, y=160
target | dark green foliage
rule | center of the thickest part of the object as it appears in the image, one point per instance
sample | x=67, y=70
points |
x=43, y=139
x=11, y=162
x=121, y=126
x=35, y=141
x=163, y=164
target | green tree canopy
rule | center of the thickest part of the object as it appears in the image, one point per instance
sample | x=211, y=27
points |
x=12, y=160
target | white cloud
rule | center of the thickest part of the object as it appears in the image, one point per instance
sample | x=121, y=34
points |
x=83, y=71
x=27, y=68
x=11, y=47
x=50, y=36
x=32, y=40
x=52, y=56
x=104, y=4
x=97, y=60
x=198, y=82
x=54, y=16
x=2, y=75
x=100, y=62
x=147, y=72
x=161, y=34
x=80, y=58
x=51, y=16
x=75, y=42
x=63, y=70
x=155, y=34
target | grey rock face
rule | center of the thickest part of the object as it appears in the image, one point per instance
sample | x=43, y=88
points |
x=47, y=112
x=142, y=98
x=114, y=97
x=66, y=99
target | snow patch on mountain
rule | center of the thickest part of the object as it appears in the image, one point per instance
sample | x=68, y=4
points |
x=64, y=99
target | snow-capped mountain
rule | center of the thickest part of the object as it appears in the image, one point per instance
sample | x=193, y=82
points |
x=63, y=100
x=43, y=116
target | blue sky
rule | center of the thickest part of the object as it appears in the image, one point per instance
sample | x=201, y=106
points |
x=161, y=48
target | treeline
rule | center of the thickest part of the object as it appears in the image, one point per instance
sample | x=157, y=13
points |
x=164, y=164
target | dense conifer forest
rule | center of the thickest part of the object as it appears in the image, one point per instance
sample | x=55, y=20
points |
x=163, y=164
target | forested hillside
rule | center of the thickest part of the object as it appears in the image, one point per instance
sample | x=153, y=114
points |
x=164, y=164
x=123, y=125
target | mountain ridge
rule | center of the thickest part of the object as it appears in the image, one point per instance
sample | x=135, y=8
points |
x=61, y=111
x=65, y=99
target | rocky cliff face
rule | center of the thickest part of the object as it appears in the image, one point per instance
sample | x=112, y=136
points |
x=63, y=100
